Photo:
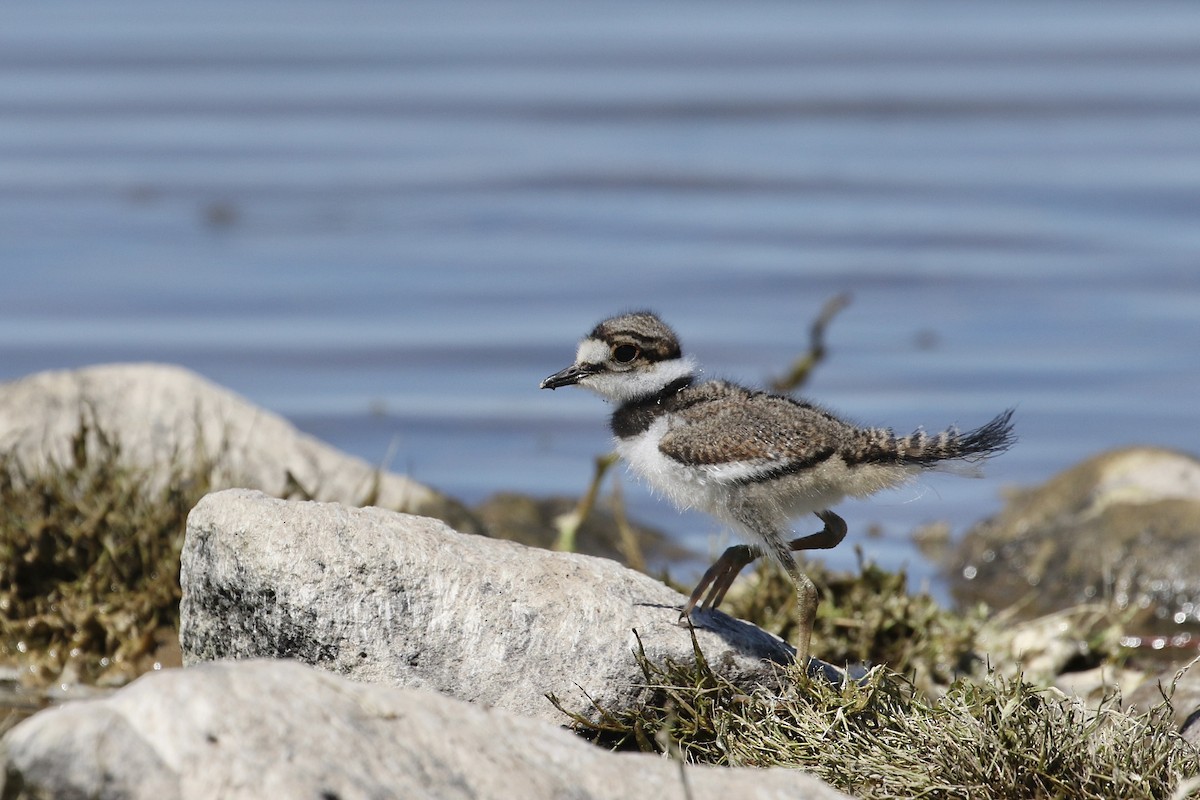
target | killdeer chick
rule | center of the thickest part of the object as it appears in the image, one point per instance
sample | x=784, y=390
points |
x=753, y=460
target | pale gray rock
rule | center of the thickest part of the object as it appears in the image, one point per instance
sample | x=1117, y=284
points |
x=402, y=600
x=160, y=413
x=281, y=729
x=1041, y=649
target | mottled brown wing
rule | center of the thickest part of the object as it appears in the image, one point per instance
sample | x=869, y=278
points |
x=751, y=427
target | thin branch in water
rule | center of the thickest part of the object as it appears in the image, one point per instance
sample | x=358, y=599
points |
x=802, y=367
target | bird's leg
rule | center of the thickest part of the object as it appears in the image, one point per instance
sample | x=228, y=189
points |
x=806, y=592
x=719, y=577
x=806, y=612
x=828, y=537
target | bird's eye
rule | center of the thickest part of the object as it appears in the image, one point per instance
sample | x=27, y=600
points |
x=624, y=353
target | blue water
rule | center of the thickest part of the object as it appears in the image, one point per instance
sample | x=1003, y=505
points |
x=390, y=221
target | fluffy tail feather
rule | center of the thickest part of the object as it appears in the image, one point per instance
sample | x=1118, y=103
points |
x=922, y=449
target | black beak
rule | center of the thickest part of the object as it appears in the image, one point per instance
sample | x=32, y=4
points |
x=567, y=377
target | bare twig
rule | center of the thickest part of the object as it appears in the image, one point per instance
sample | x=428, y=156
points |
x=628, y=541
x=803, y=366
x=568, y=524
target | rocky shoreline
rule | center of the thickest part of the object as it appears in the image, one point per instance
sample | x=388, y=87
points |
x=338, y=651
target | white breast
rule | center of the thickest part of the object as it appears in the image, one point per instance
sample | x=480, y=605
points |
x=686, y=487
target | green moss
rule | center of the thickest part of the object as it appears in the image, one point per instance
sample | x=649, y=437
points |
x=89, y=559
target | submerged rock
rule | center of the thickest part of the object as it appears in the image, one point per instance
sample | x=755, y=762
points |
x=1120, y=528
x=406, y=601
x=281, y=729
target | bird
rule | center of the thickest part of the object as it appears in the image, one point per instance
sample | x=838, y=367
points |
x=753, y=460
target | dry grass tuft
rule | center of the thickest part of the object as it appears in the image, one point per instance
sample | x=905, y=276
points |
x=89, y=560
x=880, y=738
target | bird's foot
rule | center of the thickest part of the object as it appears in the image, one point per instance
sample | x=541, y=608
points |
x=715, y=582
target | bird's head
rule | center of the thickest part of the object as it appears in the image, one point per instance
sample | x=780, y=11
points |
x=626, y=357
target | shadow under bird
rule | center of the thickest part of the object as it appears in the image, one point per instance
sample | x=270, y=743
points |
x=753, y=460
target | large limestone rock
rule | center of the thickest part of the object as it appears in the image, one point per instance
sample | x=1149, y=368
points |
x=280, y=729
x=403, y=600
x=1121, y=527
x=160, y=413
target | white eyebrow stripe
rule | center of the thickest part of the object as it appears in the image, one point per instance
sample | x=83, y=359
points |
x=591, y=351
